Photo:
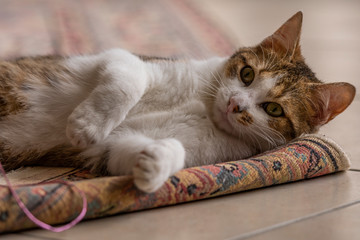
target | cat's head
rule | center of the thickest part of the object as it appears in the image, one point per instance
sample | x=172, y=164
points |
x=267, y=92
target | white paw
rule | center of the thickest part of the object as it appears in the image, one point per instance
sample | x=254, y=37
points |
x=84, y=128
x=157, y=162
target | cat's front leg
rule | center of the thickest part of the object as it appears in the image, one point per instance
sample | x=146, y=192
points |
x=150, y=161
x=121, y=83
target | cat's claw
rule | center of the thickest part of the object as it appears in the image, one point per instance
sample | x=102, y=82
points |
x=156, y=163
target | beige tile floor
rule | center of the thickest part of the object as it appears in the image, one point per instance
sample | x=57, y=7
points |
x=322, y=208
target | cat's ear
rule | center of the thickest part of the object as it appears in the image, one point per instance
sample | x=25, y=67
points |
x=330, y=100
x=286, y=39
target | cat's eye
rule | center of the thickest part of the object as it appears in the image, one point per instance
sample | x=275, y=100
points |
x=247, y=75
x=273, y=109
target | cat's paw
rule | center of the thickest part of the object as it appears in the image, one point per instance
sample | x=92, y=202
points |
x=84, y=128
x=157, y=162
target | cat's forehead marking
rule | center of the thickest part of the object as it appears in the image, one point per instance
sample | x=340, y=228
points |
x=268, y=79
x=263, y=85
x=289, y=87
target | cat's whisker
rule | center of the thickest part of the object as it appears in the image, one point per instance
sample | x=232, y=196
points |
x=273, y=60
x=216, y=79
x=253, y=136
x=208, y=84
x=219, y=77
x=270, y=56
x=207, y=95
x=261, y=135
x=265, y=131
x=266, y=136
x=256, y=142
x=273, y=55
x=208, y=91
x=269, y=60
x=211, y=89
x=206, y=79
x=274, y=131
x=264, y=59
x=273, y=63
x=258, y=60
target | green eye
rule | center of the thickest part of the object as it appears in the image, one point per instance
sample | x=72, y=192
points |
x=273, y=109
x=247, y=75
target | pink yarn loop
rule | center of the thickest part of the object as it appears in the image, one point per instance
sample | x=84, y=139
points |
x=39, y=222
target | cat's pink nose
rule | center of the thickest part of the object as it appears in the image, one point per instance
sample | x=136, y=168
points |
x=233, y=106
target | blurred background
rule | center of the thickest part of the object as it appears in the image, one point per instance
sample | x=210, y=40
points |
x=193, y=28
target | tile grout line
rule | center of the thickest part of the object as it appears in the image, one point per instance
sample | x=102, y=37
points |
x=286, y=223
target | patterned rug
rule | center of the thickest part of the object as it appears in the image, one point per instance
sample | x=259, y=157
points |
x=157, y=27
x=307, y=157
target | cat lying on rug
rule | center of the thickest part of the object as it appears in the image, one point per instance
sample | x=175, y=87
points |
x=118, y=113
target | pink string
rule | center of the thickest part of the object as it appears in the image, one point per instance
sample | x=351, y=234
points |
x=39, y=222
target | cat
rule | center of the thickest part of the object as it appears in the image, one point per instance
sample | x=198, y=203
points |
x=118, y=113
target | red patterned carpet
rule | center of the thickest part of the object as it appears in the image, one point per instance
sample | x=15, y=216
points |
x=157, y=27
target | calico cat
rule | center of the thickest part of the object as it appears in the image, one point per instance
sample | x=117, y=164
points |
x=118, y=113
